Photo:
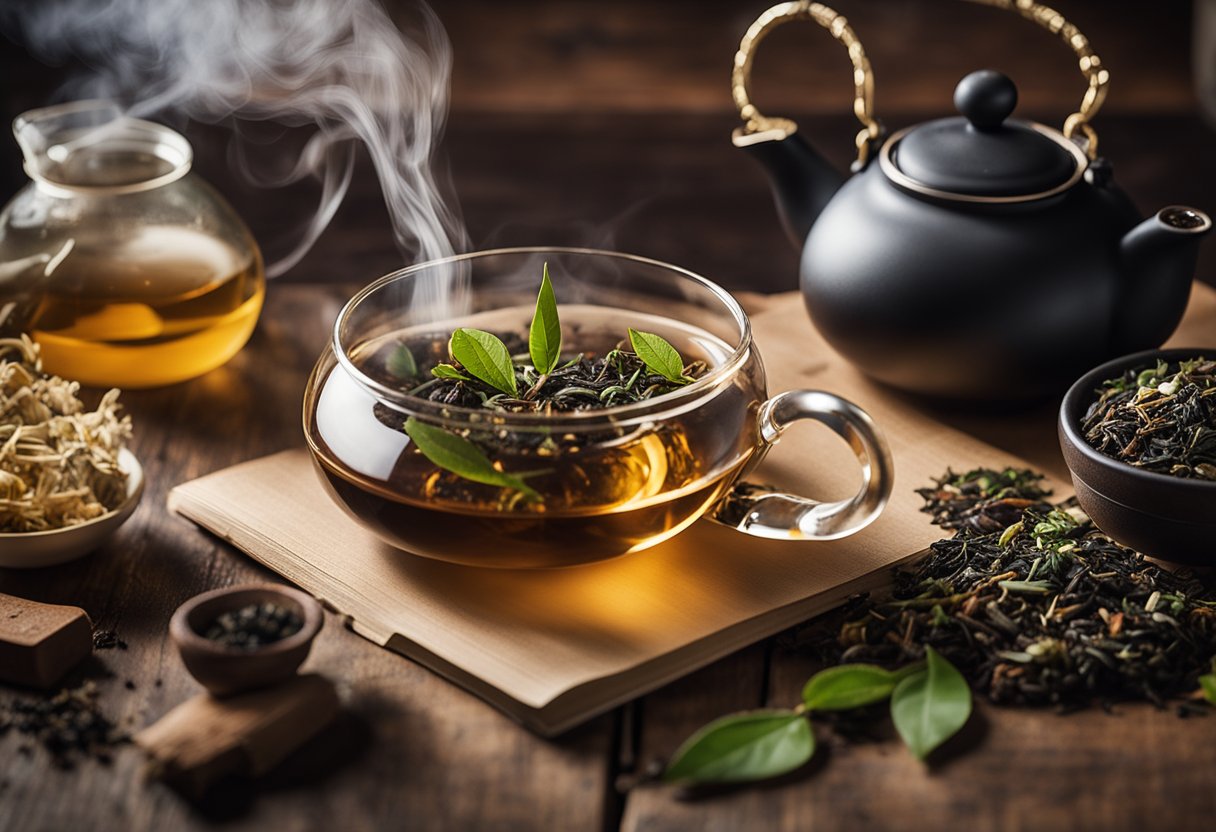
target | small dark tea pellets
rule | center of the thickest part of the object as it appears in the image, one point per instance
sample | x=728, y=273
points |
x=254, y=626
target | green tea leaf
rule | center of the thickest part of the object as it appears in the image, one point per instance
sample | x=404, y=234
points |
x=486, y=357
x=659, y=356
x=545, y=335
x=930, y=706
x=401, y=363
x=1207, y=684
x=848, y=686
x=448, y=371
x=460, y=456
x=747, y=746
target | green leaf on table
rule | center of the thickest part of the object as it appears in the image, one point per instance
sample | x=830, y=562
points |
x=460, y=456
x=545, y=335
x=448, y=371
x=659, y=356
x=401, y=363
x=1207, y=684
x=931, y=705
x=753, y=745
x=485, y=357
x=848, y=686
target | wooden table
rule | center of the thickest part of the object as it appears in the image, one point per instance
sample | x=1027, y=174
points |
x=413, y=752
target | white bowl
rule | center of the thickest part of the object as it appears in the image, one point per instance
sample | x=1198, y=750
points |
x=31, y=550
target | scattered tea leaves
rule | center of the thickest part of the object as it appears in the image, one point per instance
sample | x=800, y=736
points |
x=848, y=686
x=1033, y=604
x=743, y=747
x=485, y=356
x=69, y=724
x=931, y=705
x=659, y=356
x=545, y=334
x=401, y=363
x=460, y=456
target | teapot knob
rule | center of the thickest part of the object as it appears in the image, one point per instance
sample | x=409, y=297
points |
x=986, y=97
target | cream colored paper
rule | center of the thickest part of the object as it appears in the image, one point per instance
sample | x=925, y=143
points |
x=554, y=648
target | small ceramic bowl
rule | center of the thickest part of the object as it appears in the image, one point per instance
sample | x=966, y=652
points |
x=223, y=669
x=32, y=550
x=1159, y=515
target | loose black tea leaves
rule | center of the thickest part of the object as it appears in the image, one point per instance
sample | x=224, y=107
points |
x=1160, y=418
x=1040, y=608
x=500, y=372
x=69, y=725
x=1028, y=603
x=107, y=640
x=254, y=626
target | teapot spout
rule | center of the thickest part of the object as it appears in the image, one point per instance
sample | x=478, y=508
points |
x=801, y=179
x=1158, y=263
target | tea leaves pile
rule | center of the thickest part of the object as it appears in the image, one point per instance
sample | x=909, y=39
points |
x=1033, y=604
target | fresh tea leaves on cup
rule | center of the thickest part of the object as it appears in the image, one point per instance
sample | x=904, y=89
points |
x=485, y=367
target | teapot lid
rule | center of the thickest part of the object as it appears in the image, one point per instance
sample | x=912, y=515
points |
x=984, y=155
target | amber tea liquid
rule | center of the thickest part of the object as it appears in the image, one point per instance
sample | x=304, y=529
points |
x=605, y=493
x=165, y=305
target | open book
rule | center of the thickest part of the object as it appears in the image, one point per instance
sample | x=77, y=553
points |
x=554, y=648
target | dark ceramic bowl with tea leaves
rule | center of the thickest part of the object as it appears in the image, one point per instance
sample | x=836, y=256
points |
x=1162, y=515
x=241, y=638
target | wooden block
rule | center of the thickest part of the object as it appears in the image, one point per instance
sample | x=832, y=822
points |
x=206, y=739
x=39, y=643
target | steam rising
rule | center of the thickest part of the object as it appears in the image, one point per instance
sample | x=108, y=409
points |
x=340, y=65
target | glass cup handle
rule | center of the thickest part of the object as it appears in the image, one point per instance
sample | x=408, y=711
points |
x=762, y=512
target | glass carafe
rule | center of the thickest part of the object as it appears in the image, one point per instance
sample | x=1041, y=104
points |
x=126, y=268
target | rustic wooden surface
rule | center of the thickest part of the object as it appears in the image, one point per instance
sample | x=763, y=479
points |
x=608, y=124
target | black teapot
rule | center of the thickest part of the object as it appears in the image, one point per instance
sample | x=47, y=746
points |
x=978, y=257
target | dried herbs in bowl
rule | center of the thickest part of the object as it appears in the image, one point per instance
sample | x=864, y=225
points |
x=1139, y=436
x=1159, y=418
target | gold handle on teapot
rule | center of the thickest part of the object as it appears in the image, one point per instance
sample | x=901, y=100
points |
x=1089, y=62
x=863, y=78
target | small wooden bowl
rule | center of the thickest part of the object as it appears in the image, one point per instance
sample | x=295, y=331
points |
x=1160, y=515
x=224, y=669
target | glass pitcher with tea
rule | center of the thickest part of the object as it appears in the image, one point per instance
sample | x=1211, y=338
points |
x=124, y=266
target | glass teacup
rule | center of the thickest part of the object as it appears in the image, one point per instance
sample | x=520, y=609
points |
x=604, y=482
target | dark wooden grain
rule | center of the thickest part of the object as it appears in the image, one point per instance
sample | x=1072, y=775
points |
x=608, y=124
x=675, y=57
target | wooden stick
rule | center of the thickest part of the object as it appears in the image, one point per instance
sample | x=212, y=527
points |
x=205, y=739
